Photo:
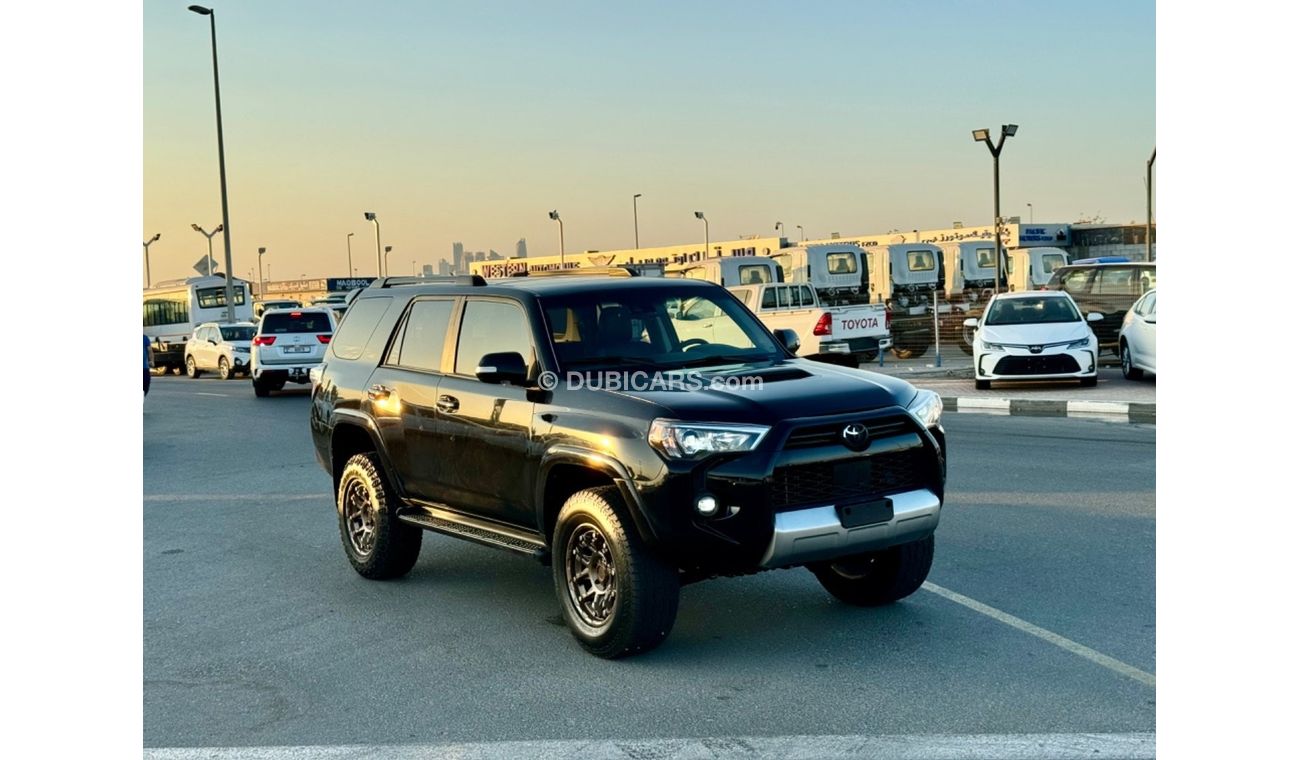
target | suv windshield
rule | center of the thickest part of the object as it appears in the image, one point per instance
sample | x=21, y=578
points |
x=279, y=322
x=241, y=332
x=668, y=328
x=1031, y=311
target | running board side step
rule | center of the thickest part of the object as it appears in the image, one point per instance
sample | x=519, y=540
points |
x=479, y=531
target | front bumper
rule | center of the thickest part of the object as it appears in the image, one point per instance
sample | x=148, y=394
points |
x=816, y=533
x=294, y=373
x=1022, y=364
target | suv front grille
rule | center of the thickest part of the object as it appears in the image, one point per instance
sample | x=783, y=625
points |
x=829, y=435
x=852, y=480
x=1053, y=364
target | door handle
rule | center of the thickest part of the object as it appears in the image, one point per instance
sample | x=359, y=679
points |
x=378, y=392
x=448, y=404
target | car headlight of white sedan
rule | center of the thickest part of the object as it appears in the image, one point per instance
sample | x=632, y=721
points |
x=1078, y=344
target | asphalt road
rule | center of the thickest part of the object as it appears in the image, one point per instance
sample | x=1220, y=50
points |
x=258, y=632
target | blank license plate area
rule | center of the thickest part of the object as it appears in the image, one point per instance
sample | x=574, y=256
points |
x=297, y=349
x=857, y=474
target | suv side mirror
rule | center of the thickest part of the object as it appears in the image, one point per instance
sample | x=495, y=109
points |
x=971, y=322
x=789, y=339
x=1095, y=316
x=506, y=367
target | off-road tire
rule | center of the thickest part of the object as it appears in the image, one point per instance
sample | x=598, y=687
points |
x=983, y=385
x=646, y=588
x=906, y=352
x=1088, y=382
x=261, y=389
x=1126, y=363
x=223, y=369
x=876, y=578
x=396, y=545
x=191, y=368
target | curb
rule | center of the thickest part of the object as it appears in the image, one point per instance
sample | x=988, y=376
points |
x=1133, y=411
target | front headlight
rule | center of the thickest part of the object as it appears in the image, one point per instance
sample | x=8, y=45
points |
x=1081, y=343
x=994, y=346
x=676, y=439
x=927, y=407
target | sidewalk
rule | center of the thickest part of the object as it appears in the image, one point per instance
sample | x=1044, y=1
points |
x=1113, y=397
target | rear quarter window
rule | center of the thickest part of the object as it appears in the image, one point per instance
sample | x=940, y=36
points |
x=355, y=332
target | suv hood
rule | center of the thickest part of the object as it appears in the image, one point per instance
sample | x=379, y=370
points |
x=790, y=388
x=1036, y=334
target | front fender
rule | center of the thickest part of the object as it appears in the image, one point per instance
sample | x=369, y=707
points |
x=602, y=463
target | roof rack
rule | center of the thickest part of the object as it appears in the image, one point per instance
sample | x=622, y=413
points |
x=460, y=279
x=583, y=272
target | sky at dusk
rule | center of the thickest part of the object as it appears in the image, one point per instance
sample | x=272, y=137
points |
x=470, y=121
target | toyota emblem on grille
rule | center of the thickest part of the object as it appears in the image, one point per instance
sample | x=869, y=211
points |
x=856, y=436
x=1035, y=349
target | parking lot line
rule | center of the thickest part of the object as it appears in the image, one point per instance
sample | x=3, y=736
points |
x=1074, y=647
x=205, y=393
x=900, y=747
x=173, y=497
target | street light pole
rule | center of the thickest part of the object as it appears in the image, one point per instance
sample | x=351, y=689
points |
x=982, y=135
x=412, y=267
x=700, y=215
x=1031, y=212
x=209, y=236
x=780, y=228
x=387, y=250
x=221, y=161
x=379, y=255
x=261, y=281
x=1150, y=228
x=350, y=272
x=148, y=277
x=800, y=228
x=636, y=227
x=556, y=216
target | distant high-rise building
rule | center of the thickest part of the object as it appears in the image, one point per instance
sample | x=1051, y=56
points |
x=457, y=257
x=480, y=256
x=427, y=270
x=521, y=248
x=494, y=256
x=444, y=268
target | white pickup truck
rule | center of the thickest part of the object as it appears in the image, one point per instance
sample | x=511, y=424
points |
x=858, y=331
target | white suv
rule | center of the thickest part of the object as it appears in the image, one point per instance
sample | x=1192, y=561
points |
x=288, y=344
x=219, y=347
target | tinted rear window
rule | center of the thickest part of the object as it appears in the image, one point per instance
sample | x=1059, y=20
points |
x=278, y=323
x=355, y=331
x=240, y=332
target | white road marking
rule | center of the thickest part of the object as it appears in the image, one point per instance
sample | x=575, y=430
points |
x=901, y=747
x=1073, y=647
x=1097, y=407
x=971, y=402
x=205, y=393
x=171, y=497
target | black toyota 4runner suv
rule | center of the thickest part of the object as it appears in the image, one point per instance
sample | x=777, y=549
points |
x=589, y=422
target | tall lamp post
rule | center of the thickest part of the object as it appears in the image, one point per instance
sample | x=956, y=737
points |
x=636, y=227
x=148, y=277
x=350, y=272
x=412, y=267
x=1031, y=212
x=700, y=215
x=800, y=228
x=1149, y=229
x=780, y=227
x=221, y=161
x=982, y=135
x=556, y=216
x=379, y=255
x=387, y=250
x=261, y=281
x=209, y=236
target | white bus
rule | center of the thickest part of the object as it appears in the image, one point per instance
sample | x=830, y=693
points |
x=174, y=308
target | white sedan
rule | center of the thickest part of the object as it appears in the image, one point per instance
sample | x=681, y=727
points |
x=1034, y=335
x=1137, y=338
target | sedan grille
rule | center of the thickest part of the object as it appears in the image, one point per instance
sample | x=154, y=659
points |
x=1054, y=364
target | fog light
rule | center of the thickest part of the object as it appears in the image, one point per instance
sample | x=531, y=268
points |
x=707, y=506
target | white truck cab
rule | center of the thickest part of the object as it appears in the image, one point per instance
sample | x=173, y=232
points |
x=850, y=331
x=1031, y=268
x=729, y=271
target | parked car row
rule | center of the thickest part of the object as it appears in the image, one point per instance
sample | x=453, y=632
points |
x=281, y=347
x=1045, y=335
